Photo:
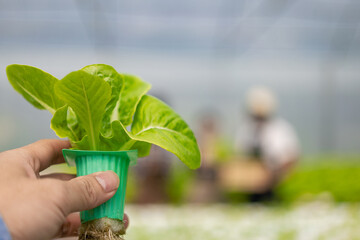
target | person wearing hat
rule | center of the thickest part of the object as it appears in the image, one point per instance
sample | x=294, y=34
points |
x=267, y=138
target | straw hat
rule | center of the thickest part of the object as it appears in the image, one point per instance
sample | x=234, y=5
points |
x=261, y=101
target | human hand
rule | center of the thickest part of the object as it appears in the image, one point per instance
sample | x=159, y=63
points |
x=45, y=207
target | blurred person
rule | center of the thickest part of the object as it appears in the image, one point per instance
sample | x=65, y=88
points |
x=44, y=207
x=205, y=188
x=268, y=139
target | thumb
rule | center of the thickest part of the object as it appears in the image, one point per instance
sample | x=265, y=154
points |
x=90, y=191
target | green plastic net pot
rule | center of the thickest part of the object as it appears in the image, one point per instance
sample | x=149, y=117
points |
x=88, y=162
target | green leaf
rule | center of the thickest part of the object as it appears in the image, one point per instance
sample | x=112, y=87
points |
x=83, y=144
x=116, y=81
x=142, y=147
x=88, y=96
x=120, y=140
x=65, y=124
x=59, y=124
x=126, y=92
x=74, y=125
x=117, y=139
x=35, y=85
x=133, y=91
x=156, y=123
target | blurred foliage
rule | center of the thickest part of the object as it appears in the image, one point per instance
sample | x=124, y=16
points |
x=333, y=177
x=305, y=221
x=234, y=197
x=337, y=176
x=179, y=183
x=131, y=186
x=224, y=150
x=287, y=235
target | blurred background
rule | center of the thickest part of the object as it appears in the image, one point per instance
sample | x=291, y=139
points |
x=204, y=58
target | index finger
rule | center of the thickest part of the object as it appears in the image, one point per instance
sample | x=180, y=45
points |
x=44, y=153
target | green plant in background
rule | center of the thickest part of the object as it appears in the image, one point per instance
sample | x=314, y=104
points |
x=99, y=109
x=179, y=184
x=339, y=178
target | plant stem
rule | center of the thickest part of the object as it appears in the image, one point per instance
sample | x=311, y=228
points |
x=127, y=145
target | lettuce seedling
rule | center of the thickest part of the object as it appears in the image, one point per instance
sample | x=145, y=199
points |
x=99, y=109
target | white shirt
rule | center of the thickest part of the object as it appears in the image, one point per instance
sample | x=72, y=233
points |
x=276, y=140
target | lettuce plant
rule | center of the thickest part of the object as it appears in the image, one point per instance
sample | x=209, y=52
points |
x=98, y=108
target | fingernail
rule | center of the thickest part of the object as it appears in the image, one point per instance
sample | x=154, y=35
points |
x=108, y=180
